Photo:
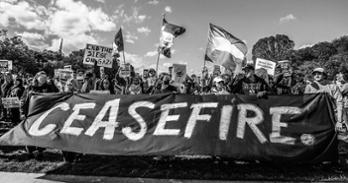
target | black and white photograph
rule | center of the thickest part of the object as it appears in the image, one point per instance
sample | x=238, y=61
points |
x=177, y=91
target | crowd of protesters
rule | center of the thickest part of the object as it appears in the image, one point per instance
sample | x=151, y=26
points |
x=247, y=82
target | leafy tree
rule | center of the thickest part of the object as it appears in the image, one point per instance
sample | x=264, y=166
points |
x=273, y=48
x=341, y=44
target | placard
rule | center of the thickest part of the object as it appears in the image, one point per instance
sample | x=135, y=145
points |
x=179, y=73
x=64, y=74
x=5, y=65
x=125, y=70
x=266, y=64
x=100, y=54
x=217, y=69
x=10, y=102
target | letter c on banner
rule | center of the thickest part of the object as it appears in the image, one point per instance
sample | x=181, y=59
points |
x=34, y=129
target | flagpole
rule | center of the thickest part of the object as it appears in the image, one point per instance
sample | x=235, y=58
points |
x=158, y=49
x=158, y=58
x=124, y=58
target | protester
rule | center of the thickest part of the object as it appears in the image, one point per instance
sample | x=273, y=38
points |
x=321, y=84
x=40, y=84
x=249, y=84
x=5, y=89
x=16, y=91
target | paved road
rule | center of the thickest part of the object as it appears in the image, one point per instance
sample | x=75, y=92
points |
x=15, y=177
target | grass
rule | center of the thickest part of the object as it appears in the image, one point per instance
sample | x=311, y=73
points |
x=16, y=160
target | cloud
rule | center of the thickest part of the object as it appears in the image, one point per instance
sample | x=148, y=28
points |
x=151, y=53
x=34, y=40
x=153, y=2
x=22, y=13
x=134, y=17
x=287, y=18
x=130, y=38
x=100, y=1
x=72, y=20
x=168, y=9
x=144, y=30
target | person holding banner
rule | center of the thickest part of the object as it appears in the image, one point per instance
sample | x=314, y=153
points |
x=16, y=91
x=5, y=89
x=321, y=85
x=39, y=84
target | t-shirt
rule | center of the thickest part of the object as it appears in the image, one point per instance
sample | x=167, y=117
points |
x=247, y=86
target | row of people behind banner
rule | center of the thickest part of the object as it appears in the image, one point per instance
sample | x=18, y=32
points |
x=246, y=83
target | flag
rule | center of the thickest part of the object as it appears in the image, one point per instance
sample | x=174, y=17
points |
x=168, y=33
x=225, y=49
x=117, y=45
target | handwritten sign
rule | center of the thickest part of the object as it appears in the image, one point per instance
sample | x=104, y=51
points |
x=11, y=102
x=100, y=54
x=179, y=73
x=5, y=65
x=125, y=71
x=265, y=64
x=64, y=74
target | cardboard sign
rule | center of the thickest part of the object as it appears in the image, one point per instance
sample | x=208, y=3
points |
x=100, y=54
x=266, y=64
x=179, y=73
x=125, y=71
x=285, y=66
x=64, y=74
x=11, y=102
x=217, y=69
x=5, y=65
x=145, y=73
x=68, y=67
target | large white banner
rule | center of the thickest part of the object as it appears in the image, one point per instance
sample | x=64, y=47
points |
x=265, y=64
x=100, y=54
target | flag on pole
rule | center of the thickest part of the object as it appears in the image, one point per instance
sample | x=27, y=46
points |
x=117, y=45
x=225, y=49
x=168, y=33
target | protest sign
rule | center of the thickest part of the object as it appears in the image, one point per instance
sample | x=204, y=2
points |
x=100, y=54
x=178, y=124
x=10, y=102
x=145, y=73
x=125, y=70
x=285, y=66
x=5, y=65
x=266, y=64
x=64, y=74
x=68, y=67
x=217, y=69
x=179, y=73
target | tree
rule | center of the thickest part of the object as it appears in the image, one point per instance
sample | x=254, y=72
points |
x=341, y=44
x=273, y=48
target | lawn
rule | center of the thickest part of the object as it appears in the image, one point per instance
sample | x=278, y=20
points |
x=174, y=167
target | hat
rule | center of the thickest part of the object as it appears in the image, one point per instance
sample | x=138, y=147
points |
x=320, y=70
x=218, y=79
x=248, y=67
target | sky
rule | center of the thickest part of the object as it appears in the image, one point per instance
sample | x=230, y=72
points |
x=42, y=23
